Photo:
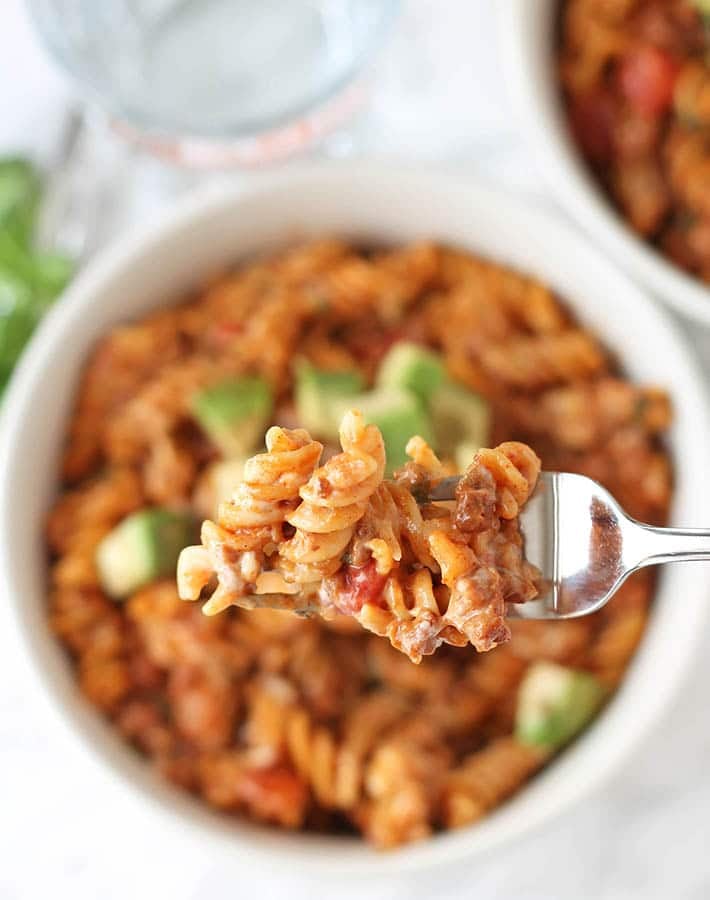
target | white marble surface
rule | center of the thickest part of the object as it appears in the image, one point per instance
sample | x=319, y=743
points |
x=66, y=832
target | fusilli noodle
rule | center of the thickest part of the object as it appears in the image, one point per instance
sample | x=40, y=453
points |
x=486, y=778
x=363, y=547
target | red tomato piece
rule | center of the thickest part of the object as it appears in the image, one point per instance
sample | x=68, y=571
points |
x=275, y=794
x=369, y=347
x=221, y=334
x=361, y=585
x=592, y=121
x=647, y=77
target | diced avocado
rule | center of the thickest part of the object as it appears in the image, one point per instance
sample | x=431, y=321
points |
x=315, y=393
x=144, y=546
x=234, y=413
x=398, y=414
x=555, y=703
x=412, y=367
x=458, y=417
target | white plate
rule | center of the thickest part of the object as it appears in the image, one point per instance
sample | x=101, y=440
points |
x=158, y=264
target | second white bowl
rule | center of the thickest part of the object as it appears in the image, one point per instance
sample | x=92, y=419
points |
x=527, y=41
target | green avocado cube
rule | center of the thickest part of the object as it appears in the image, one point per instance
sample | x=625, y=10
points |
x=459, y=417
x=398, y=414
x=316, y=391
x=144, y=546
x=234, y=413
x=412, y=367
x=554, y=704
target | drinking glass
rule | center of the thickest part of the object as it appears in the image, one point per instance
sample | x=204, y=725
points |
x=213, y=83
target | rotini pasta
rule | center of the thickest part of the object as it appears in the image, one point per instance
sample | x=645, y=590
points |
x=362, y=547
x=486, y=778
x=333, y=502
x=249, y=522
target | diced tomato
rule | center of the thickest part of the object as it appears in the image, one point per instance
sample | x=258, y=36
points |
x=369, y=346
x=221, y=334
x=275, y=794
x=647, y=77
x=592, y=121
x=361, y=585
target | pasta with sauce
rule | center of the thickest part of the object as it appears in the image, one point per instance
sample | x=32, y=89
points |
x=319, y=723
x=363, y=547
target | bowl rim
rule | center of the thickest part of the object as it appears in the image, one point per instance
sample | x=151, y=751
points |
x=523, y=34
x=97, y=740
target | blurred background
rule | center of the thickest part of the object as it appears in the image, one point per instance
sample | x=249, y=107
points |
x=418, y=80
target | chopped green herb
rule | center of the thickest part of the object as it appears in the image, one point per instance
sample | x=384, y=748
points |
x=20, y=189
x=29, y=279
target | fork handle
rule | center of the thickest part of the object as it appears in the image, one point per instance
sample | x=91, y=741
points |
x=664, y=545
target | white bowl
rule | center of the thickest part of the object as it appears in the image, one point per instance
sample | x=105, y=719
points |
x=156, y=265
x=527, y=41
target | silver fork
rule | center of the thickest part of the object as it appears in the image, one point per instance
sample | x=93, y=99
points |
x=585, y=545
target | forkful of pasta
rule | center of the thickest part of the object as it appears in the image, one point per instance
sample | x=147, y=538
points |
x=423, y=558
